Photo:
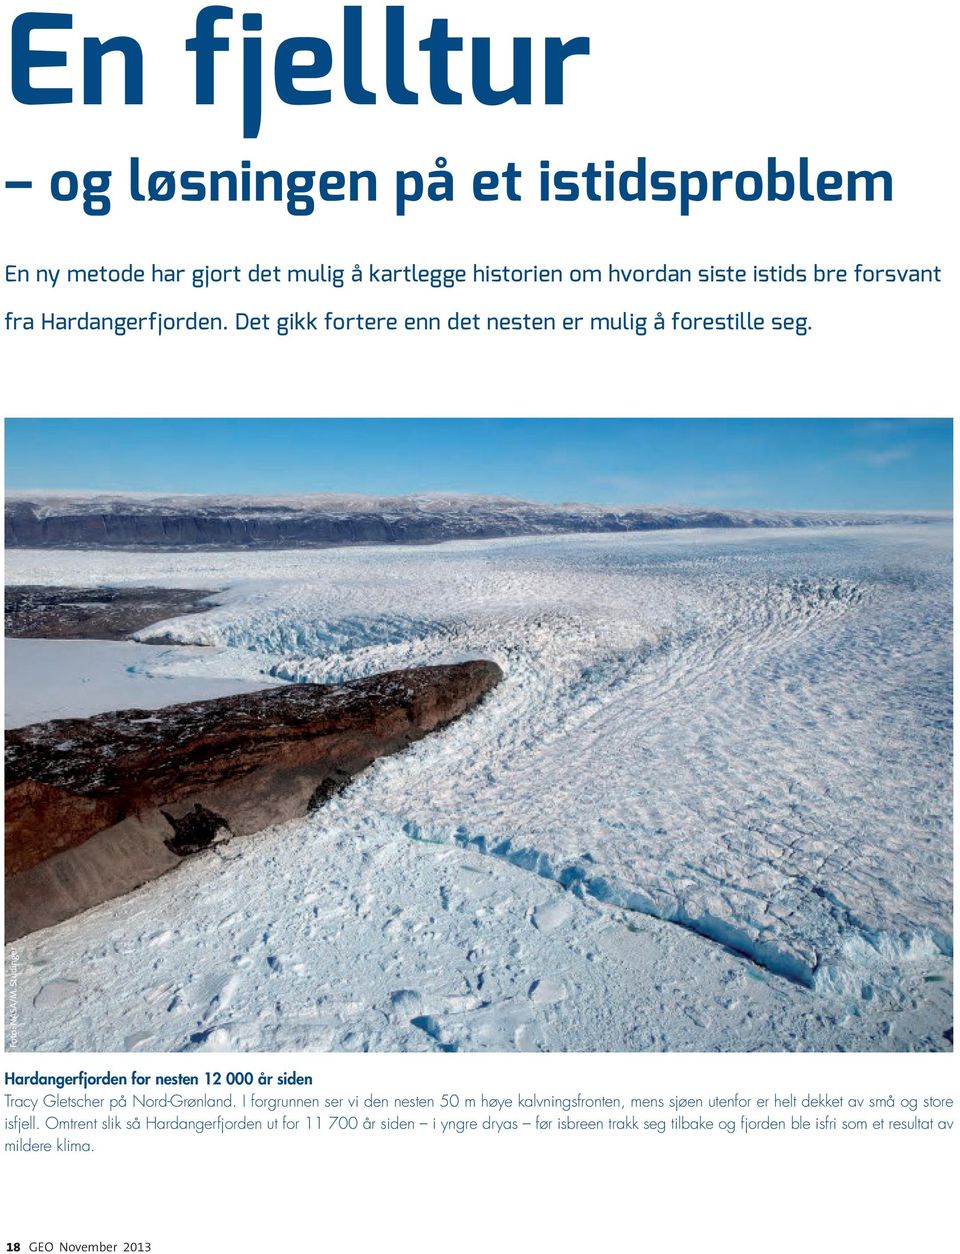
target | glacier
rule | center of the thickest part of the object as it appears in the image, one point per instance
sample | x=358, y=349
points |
x=708, y=808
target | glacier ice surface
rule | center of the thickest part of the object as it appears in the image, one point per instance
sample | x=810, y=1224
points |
x=709, y=806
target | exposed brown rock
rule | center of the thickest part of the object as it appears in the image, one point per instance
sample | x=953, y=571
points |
x=95, y=807
x=34, y=611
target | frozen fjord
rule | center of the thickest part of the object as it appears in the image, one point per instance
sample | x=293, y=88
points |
x=746, y=734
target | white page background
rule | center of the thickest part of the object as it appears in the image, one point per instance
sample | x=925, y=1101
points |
x=862, y=86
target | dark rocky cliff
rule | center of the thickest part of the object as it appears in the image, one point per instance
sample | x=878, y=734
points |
x=313, y=522
x=95, y=807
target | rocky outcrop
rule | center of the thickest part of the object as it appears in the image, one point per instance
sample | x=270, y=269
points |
x=114, y=521
x=96, y=807
x=54, y=613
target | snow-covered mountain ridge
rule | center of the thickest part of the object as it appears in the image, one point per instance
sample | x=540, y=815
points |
x=139, y=520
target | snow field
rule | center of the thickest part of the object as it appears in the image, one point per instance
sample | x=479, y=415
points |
x=716, y=758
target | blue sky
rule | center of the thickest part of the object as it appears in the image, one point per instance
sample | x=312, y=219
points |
x=764, y=463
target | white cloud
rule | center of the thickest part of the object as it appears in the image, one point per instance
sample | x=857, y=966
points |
x=883, y=456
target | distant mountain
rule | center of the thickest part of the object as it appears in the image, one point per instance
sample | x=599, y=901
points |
x=141, y=521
